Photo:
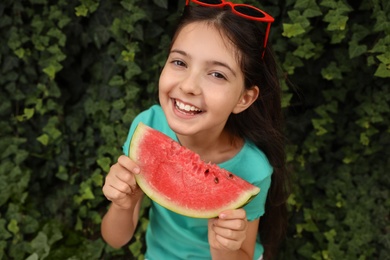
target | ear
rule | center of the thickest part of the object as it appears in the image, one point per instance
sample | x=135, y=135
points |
x=247, y=98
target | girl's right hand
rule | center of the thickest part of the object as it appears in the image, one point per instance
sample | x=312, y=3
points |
x=120, y=186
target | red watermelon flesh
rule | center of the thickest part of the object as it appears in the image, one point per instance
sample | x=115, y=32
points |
x=176, y=178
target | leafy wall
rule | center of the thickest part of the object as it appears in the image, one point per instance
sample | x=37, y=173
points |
x=73, y=75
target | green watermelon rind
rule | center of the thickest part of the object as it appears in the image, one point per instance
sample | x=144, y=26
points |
x=156, y=196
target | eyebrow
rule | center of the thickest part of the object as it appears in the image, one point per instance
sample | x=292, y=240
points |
x=214, y=62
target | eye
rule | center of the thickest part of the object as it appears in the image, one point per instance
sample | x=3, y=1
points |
x=218, y=75
x=179, y=63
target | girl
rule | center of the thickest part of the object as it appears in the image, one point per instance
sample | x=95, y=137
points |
x=220, y=97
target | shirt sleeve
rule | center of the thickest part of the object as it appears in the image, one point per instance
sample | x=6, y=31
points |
x=149, y=117
x=253, y=166
x=256, y=207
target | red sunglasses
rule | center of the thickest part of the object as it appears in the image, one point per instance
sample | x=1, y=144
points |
x=243, y=10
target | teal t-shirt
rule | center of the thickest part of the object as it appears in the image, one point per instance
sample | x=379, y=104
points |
x=172, y=236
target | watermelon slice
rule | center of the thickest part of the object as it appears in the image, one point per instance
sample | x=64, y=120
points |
x=177, y=179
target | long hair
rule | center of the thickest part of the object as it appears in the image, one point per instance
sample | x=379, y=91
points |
x=262, y=122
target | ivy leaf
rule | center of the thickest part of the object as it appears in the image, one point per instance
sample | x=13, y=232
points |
x=63, y=21
x=13, y=226
x=5, y=21
x=364, y=139
x=331, y=72
x=62, y=173
x=85, y=193
x=81, y=10
x=330, y=235
x=128, y=5
x=14, y=41
x=51, y=128
x=382, y=46
x=384, y=58
x=383, y=71
x=336, y=20
x=306, y=49
x=104, y=163
x=53, y=232
x=40, y=245
x=291, y=62
x=337, y=5
x=33, y=256
x=28, y=113
x=97, y=178
x=356, y=50
x=318, y=125
x=43, y=139
x=297, y=18
x=116, y=81
x=128, y=56
x=329, y=3
x=309, y=13
x=4, y=234
x=118, y=104
x=20, y=53
x=309, y=7
x=382, y=21
x=87, y=6
x=132, y=70
x=60, y=36
x=52, y=69
x=161, y=3
x=286, y=99
x=359, y=32
x=291, y=30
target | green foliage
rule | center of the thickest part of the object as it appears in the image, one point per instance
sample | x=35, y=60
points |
x=73, y=75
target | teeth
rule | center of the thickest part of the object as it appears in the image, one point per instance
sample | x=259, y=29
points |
x=187, y=108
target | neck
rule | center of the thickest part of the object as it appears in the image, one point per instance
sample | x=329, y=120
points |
x=213, y=148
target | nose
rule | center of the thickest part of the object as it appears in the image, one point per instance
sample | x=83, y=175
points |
x=191, y=84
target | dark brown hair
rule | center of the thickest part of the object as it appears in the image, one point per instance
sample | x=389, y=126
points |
x=262, y=121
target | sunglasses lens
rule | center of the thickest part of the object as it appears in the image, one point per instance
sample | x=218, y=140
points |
x=210, y=2
x=247, y=10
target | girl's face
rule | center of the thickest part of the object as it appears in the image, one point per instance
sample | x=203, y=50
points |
x=202, y=82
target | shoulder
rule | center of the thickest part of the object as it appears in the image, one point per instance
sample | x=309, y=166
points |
x=150, y=116
x=256, y=158
x=153, y=117
x=257, y=170
x=250, y=164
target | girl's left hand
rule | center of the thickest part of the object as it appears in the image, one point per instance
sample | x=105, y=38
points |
x=228, y=231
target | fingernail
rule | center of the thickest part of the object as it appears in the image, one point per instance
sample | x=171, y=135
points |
x=136, y=170
x=223, y=215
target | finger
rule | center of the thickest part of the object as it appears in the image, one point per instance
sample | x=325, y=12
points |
x=129, y=164
x=119, y=190
x=228, y=243
x=112, y=193
x=122, y=187
x=126, y=177
x=118, y=172
x=225, y=238
x=120, y=179
x=232, y=224
x=233, y=214
x=134, y=189
x=225, y=232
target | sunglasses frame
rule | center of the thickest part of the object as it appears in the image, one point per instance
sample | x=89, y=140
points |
x=266, y=18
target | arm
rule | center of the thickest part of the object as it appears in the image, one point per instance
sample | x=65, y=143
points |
x=231, y=236
x=119, y=223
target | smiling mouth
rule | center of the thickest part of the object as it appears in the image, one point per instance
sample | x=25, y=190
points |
x=185, y=108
